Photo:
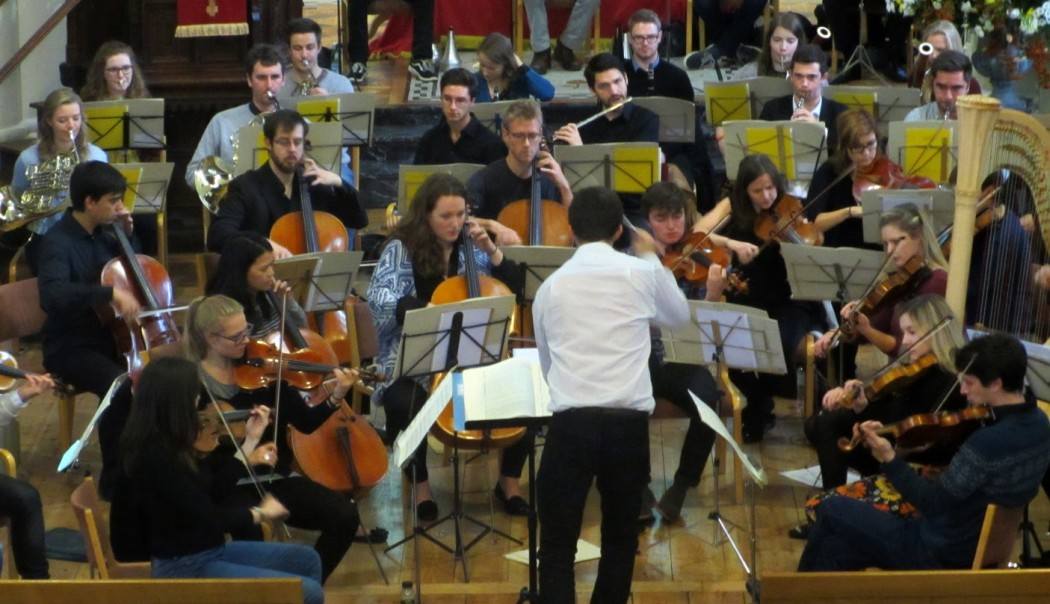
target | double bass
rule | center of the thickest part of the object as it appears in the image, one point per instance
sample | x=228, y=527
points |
x=471, y=284
x=309, y=231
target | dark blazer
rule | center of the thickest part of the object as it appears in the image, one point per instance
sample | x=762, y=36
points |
x=256, y=200
x=781, y=108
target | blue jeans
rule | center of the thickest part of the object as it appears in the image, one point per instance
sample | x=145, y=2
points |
x=249, y=559
x=852, y=535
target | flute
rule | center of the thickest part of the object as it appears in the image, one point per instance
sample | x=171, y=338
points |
x=603, y=112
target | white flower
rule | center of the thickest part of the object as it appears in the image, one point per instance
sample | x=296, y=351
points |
x=1013, y=13
x=936, y=4
x=967, y=7
x=977, y=29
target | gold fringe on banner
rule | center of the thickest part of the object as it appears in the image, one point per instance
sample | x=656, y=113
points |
x=214, y=29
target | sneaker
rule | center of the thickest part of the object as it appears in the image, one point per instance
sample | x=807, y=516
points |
x=541, y=61
x=423, y=69
x=702, y=58
x=357, y=73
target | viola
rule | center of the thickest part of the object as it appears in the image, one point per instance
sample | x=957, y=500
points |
x=306, y=367
x=785, y=221
x=884, y=174
x=471, y=284
x=889, y=290
x=536, y=220
x=893, y=379
x=929, y=428
x=692, y=257
x=147, y=280
x=309, y=231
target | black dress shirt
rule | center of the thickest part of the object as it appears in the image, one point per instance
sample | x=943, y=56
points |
x=782, y=108
x=476, y=145
x=667, y=80
x=633, y=125
x=495, y=186
x=849, y=233
x=71, y=262
x=256, y=200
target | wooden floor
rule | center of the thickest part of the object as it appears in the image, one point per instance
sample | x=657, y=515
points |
x=680, y=563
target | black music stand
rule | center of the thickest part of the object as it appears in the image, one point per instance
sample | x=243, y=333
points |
x=141, y=124
x=446, y=338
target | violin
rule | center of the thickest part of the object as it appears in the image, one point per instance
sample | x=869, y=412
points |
x=210, y=423
x=471, y=284
x=890, y=290
x=884, y=174
x=538, y=221
x=929, y=428
x=691, y=259
x=892, y=380
x=988, y=212
x=305, y=367
x=786, y=222
x=309, y=231
x=147, y=280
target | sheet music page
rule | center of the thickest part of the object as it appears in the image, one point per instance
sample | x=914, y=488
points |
x=474, y=326
x=735, y=329
x=510, y=388
x=709, y=417
x=418, y=428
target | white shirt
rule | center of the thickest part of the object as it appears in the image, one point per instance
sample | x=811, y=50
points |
x=592, y=318
x=10, y=405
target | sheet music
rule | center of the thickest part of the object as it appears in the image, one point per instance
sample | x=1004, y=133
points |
x=736, y=335
x=73, y=452
x=511, y=388
x=419, y=427
x=709, y=417
x=474, y=325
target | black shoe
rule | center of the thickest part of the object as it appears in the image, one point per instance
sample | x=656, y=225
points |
x=800, y=532
x=541, y=61
x=645, y=514
x=427, y=511
x=376, y=535
x=514, y=506
x=423, y=69
x=566, y=58
x=670, y=506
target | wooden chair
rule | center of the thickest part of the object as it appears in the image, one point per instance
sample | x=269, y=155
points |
x=104, y=565
x=22, y=317
x=519, y=19
x=361, y=329
x=8, y=562
x=155, y=591
x=999, y=534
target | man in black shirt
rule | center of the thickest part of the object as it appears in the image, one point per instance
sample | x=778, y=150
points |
x=459, y=137
x=510, y=179
x=808, y=70
x=258, y=198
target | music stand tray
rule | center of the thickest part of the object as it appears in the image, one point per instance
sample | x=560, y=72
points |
x=821, y=273
x=298, y=272
x=410, y=177
x=539, y=262
x=355, y=113
x=491, y=114
x=925, y=148
x=326, y=139
x=147, y=191
x=677, y=117
x=796, y=148
x=331, y=282
x=622, y=167
x=126, y=124
x=936, y=204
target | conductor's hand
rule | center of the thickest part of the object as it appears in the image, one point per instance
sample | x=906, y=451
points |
x=568, y=134
x=880, y=448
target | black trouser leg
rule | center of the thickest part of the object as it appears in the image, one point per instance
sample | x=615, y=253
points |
x=673, y=381
x=314, y=507
x=357, y=28
x=422, y=29
x=20, y=501
x=402, y=400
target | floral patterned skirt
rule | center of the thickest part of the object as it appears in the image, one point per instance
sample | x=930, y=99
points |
x=878, y=491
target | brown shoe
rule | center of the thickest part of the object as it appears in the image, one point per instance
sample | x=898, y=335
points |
x=566, y=57
x=541, y=61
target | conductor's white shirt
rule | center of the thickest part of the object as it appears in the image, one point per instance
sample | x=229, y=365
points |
x=592, y=319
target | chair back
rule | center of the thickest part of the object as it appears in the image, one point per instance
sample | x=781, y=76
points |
x=22, y=315
x=998, y=536
x=88, y=510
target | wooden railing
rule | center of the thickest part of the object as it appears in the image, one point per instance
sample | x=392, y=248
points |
x=38, y=36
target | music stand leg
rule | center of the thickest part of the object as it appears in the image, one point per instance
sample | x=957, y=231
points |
x=364, y=528
x=532, y=593
x=1028, y=530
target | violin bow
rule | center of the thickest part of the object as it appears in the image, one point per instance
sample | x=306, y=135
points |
x=955, y=384
x=240, y=451
x=926, y=336
x=867, y=290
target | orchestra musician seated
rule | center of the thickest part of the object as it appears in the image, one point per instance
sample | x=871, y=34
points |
x=950, y=75
x=114, y=74
x=786, y=32
x=459, y=137
x=808, y=71
x=306, y=77
x=256, y=199
x=503, y=77
x=424, y=249
x=1001, y=462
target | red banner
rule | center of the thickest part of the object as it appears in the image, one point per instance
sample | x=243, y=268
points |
x=201, y=18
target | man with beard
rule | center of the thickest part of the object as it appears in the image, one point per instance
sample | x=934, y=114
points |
x=258, y=198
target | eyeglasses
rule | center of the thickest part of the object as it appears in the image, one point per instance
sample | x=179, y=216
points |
x=650, y=38
x=522, y=137
x=240, y=336
x=872, y=146
x=121, y=69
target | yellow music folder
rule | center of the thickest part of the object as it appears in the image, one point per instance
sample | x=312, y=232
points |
x=106, y=126
x=262, y=154
x=727, y=102
x=927, y=152
x=774, y=142
x=413, y=180
x=857, y=100
x=635, y=168
x=134, y=177
x=320, y=110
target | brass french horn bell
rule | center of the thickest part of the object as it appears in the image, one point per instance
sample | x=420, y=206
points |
x=211, y=180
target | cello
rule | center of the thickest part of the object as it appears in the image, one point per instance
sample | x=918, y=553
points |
x=145, y=278
x=536, y=220
x=471, y=284
x=309, y=231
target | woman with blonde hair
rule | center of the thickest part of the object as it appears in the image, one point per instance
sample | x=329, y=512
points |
x=61, y=144
x=114, y=74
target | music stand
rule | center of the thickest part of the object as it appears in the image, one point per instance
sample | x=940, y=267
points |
x=677, y=117
x=765, y=89
x=147, y=193
x=447, y=337
x=355, y=113
x=410, y=177
x=855, y=97
x=935, y=204
x=537, y=262
x=726, y=101
x=297, y=271
x=794, y=147
x=326, y=139
x=820, y=273
x=894, y=104
x=622, y=167
x=491, y=114
x=124, y=125
x=924, y=148
x=860, y=57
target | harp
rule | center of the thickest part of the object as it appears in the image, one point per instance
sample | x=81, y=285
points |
x=1007, y=145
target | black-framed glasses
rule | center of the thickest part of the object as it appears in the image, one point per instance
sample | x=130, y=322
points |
x=650, y=38
x=237, y=338
x=872, y=146
x=120, y=69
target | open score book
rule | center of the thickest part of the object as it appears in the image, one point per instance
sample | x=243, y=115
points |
x=511, y=388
